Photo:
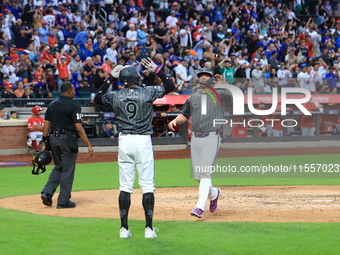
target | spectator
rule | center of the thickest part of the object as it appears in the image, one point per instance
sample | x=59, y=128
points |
x=131, y=36
x=283, y=75
x=19, y=92
x=227, y=72
x=3, y=115
x=240, y=73
x=9, y=70
x=263, y=60
x=171, y=20
x=194, y=67
x=100, y=51
x=63, y=62
x=108, y=132
x=141, y=35
x=181, y=72
x=112, y=53
x=44, y=32
x=46, y=58
x=273, y=60
x=83, y=36
x=183, y=88
x=49, y=18
x=106, y=67
x=13, y=115
x=86, y=51
x=24, y=67
x=22, y=36
x=331, y=78
x=50, y=80
x=291, y=58
x=257, y=75
x=84, y=85
x=88, y=68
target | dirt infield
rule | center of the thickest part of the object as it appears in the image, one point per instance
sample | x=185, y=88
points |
x=259, y=204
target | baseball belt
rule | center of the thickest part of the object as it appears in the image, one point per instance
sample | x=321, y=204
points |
x=202, y=135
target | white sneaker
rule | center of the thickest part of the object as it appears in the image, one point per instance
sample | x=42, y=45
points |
x=125, y=233
x=151, y=233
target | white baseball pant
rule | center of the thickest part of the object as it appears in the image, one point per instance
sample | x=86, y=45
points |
x=135, y=152
x=35, y=135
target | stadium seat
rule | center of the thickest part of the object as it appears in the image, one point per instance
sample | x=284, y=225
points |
x=84, y=95
x=56, y=94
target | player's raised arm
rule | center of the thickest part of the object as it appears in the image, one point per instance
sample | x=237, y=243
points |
x=153, y=68
x=102, y=90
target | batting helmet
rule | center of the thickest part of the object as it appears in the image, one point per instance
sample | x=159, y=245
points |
x=40, y=160
x=128, y=75
x=36, y=109
x=206, y=71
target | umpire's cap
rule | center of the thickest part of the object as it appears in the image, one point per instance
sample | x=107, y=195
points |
x=206, y=71
x=128, y=75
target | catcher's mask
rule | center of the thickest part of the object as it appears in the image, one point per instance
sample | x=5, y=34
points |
x=39, y=161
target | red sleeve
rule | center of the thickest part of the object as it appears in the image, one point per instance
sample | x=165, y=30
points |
x=234, y=131
x=29, y=123
x=50, y=58
x=68, y=59
x=43, y=56
x=310, y=107
x=58, y=63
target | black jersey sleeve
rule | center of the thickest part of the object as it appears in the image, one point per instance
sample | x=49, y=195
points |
x=98, y=99
x=168, y=84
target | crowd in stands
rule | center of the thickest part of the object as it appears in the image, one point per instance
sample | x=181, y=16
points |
x=248, y=43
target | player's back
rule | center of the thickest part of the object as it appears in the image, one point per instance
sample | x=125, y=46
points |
x=133, y=108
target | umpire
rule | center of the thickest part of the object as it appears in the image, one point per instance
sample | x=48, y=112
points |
x=60, y=135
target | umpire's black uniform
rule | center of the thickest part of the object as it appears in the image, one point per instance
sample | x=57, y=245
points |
x=63, y=113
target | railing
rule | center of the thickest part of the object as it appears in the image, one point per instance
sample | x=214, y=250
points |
x=103, y=16
x=23, y=102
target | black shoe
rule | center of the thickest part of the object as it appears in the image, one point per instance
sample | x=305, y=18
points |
x=46, y=199
x=70, y=204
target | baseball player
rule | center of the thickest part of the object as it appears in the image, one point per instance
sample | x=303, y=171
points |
x=133, y=109
x=206, y=138
x=307, y=122
x=35, y=126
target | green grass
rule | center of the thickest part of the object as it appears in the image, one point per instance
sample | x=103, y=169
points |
x=27, y=233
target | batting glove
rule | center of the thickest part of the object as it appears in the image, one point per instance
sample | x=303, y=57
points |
x=150, y=65
x=116, y=70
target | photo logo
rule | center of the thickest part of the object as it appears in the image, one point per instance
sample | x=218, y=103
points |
x=238, y=100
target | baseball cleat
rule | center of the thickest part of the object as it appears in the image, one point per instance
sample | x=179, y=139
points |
x=150, y=233
x=197, y=212
x=125, y=233
x=213, y=203
x=46, y=199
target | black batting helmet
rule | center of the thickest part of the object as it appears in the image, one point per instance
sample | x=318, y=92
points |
x=205, y=70
x=128, y=75
x=40, y=160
